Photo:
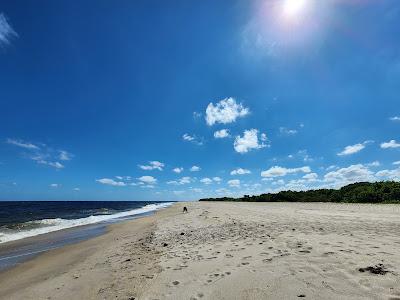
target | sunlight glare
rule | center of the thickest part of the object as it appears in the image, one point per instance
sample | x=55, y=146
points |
x=293, y=8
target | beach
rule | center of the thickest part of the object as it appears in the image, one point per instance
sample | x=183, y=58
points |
x=226, y=250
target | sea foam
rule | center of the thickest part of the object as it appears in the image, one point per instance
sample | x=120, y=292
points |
x=50, y=225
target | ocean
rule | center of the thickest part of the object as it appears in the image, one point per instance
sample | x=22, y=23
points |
x=21, y=220
x=30, y=218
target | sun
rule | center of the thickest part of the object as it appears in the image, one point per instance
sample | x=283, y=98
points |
x=294, y=8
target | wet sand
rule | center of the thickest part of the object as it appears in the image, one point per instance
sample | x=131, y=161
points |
x=226, y=251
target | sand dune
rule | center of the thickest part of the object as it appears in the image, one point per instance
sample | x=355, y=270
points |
x=227, y=251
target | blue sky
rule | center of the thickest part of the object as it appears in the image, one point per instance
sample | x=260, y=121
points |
x=178, y=100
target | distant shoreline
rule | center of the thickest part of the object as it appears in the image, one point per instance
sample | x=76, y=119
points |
x=384, y=192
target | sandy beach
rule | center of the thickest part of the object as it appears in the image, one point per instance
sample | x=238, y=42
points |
x=226, y=251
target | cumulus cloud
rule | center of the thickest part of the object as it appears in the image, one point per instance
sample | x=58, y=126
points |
x=109, y=181
x=374, y=164
x=148, y=179
x=217, y=179
x=77, y=189
x=248, y=141
x=6, y=31
x=178, y=170
x=225, y=111
x=193, y=139
x=348, y=150
x=54, y=185
x=240, y=171
x=220, y=134
x=277, y=171
x=234, y=183
x=311, y=176
x=396, y=162
x=351, y=174
x=153, y=165
x=195, y=169
x=390, y=174
x=390, y=144
x=183, y=180
x=206, y=180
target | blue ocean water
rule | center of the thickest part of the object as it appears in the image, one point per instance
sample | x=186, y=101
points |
x=23, y=219
x=45, y=220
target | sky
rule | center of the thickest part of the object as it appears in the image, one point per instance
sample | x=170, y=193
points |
x=181, y=100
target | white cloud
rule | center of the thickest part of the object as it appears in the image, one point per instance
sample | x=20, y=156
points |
x=220, y=134
x=195, y=169
x=193, y=139
x=311, y=176
x=55, y=164
x=153, y=165
x=395, y=119
x=42, y=154
x=183, y=180
x=54, y=185
x=197, y=190
x=77, y=189
x=287, y=131
x=188, y=137
x=217, y=179
x=6, y=31
x=348, y=150
x=206, y=180
x=396, y=162
x=109, y=181
x=240, y=171
x=148, y=179
x=390, y=174
x=351, y=174
x=278, y=182
x=22, y=144
x=234, y=183
x=374, y=164
x=277, y=171
x=331, y=167
x=390, y=144
x=64, y=155
x=178, y=170
x=248, y=142
x=225, y=111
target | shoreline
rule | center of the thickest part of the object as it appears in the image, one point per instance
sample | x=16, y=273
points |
x=64, y=262
x=17, y=251
x=225, y=251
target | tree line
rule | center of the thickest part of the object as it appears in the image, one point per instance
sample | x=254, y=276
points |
x=360, y=192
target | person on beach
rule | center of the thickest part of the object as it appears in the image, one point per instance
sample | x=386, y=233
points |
x=185, y=210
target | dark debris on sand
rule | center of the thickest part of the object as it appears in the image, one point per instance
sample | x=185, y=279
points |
x=379, y=269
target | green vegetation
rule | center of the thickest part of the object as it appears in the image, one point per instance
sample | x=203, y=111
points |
x=361, y=192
